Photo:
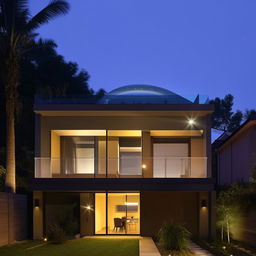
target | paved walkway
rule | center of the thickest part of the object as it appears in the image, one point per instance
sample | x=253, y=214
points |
x=197, y=250
x=148, y=247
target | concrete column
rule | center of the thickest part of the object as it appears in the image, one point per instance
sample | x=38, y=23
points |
x=203, y=215
x=147, y=155
x=38, y=215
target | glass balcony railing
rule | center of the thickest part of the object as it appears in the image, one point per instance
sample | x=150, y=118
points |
x=123, y=167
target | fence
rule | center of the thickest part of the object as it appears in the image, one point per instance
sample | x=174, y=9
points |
x=13, y=218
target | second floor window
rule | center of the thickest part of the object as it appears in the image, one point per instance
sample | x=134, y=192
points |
x=78, y=154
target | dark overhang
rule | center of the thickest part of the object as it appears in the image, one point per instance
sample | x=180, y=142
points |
x=122, y=184
x=123, y=107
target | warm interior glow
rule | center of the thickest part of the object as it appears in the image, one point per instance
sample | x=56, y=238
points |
x=123, y=206
x=124, y=133
x=144, y=166
x=100, y=213
x=130, y=149
x=130, y=203
x=176, y=133
x=80, y=132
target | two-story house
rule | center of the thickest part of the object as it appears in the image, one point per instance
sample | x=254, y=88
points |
x=125, y=164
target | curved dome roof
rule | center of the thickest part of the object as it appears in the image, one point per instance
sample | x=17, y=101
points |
x=143, y=94
x=140, y=89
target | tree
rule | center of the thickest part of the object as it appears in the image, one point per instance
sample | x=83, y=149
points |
x=231, y=203
x=250, y=114
x=223, y=118
x=17, y=31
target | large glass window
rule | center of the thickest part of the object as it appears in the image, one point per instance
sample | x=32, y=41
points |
x=171, y=160
x=121, y=213
x=130, y=156
x=78, y=154
x=100, y=213
x=124, y=153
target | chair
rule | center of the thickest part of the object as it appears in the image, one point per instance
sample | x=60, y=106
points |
x=118, y=223
x=124, y=219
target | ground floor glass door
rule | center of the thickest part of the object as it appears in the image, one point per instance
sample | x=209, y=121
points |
x=117, y=213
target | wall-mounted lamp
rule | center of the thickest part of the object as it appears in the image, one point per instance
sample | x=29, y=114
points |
x=87, y=207
x=144, y=166
x=36, y=202
x=203, y=203
x=191, y=121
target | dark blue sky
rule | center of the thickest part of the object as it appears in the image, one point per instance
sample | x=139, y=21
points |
x=186, y=46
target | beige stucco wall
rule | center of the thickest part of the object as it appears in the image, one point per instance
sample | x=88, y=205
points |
x=198, y=162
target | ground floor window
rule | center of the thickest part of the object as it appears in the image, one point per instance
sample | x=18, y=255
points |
x=117, y=213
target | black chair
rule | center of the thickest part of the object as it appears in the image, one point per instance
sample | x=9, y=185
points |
x=118, y=223
x=124, y=222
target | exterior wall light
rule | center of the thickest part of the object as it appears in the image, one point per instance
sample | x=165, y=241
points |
x=144, y=166
x=191, y=122
x=45, y=239
x=88, y=207
x=36, y=202
x=203, y=203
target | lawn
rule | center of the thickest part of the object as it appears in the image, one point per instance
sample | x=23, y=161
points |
x=79, y=247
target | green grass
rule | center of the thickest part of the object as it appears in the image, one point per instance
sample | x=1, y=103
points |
x=79, y=247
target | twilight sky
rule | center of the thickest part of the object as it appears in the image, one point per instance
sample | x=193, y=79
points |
x=186, y=46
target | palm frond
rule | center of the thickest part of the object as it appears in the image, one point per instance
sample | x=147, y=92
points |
x=52, y=10
x=12, y=9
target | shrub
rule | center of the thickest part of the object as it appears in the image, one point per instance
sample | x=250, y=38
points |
x=174, y=237
x=56, y=234
x=68, y=222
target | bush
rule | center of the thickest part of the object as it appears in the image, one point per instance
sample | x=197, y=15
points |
x=174, y=237
x=68, y=222
x=56, y=234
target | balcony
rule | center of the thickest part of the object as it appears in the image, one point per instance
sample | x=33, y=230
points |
x=122, y=167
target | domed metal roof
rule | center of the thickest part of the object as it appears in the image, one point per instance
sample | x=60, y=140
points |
x=142, y=94
x=140, y=89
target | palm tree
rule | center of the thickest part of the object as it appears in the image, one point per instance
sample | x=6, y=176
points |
x=17, y=33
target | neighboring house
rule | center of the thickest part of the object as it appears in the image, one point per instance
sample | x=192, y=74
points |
x=236, y=155
x=125, y=164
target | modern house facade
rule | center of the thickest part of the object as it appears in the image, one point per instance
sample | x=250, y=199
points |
x=236, y=155
x=124, y=164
